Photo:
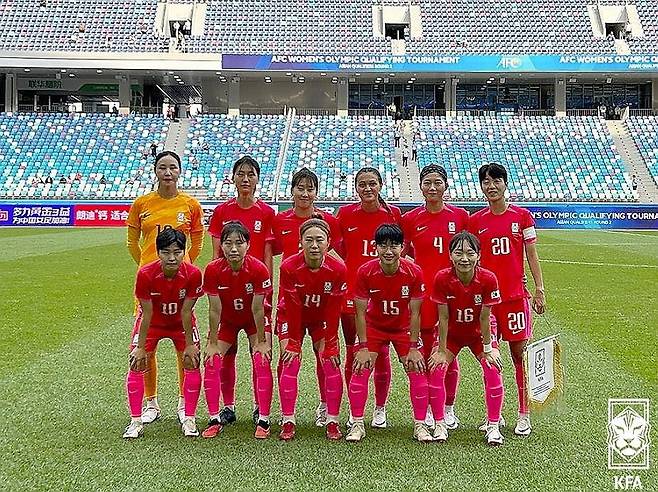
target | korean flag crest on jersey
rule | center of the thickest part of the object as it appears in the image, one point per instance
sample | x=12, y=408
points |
x=405, y=291
x=181, y=293
x=477, y=299
x=180, y=217
x=452, y=227
x=249, y=287
x=258, y=226
x=327, y=287
x=515, y=227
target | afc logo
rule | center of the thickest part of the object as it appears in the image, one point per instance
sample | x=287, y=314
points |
x=181, y=293
x=452, y=227
x=477, y=298
x=327, y=287
x=510, y=62
x=249, y=287
x=515, y=227
x=267, y=283
x=180, y=217
x=4, y=216
x=405, y=291
x=258, y=226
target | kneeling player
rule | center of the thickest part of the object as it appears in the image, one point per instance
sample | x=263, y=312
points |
x=237, y=285
x=167, y=290
x=388, y=296
x=312, y=285
x=465, y=294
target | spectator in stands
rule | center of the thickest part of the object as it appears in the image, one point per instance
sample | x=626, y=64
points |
x=115, y=111
x=103, y=180
x=42, y=3
x=187, y=28
x=398, y=134
x=227, y=180
x=634, y=182
x=49, y=180
x=205, y=147
x=405, y=156
x=82, y=27
x=194, y=162
x=154, y=149
x=63, y=180
x=77, y=178
x=343, y=177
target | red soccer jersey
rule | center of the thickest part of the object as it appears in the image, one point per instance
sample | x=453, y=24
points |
x=257, y=219
x=311, y=297
x=285, y=231
x=236, y=290
x=465, y=301
x=389, y=295
x=430, y=235
x=357, y=229
x=167, y=294
x=503, y=238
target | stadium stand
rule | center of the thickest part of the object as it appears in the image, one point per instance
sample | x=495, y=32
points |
x=644, y=130
x=77, y=156
x=323, y=26
x=336, y=148
x=549, y=159
x=215, y=142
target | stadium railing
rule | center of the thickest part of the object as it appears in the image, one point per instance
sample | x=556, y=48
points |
x=367, y=112
x=582, y=112
x=281, y=110
x=315, y=112
x=430, y=112
x=643, y=112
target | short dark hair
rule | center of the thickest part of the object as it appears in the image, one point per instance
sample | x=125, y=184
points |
x=493, y=170
x=464, y=236
x=234, y=226
x=169, y=236
x=247, y=160
x=166, y=153
x=389, y=233
x=304, y=173
x=434, y=168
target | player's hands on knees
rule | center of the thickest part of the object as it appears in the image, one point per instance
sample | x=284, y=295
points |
x=494, y=358
x=437, y=358
x=265, y=349
x=335, y=360
x=415, y=361
x=288, y=356
x=137, y=359
x=212, y=349
x=361, y=360
x=191, y=356
x=539, y=302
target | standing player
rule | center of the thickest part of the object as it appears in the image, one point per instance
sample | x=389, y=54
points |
x=237, y=285
x=388, y=295
x=167, y=290
x=506, y=232
x=358, y=223
x=465, y=294
x=149, y=215
x=428, y=230
x=257, y=217
x=285, y=229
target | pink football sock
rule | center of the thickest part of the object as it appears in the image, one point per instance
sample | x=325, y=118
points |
x=227, y=377
x=493, y=390
x=288, y=387
x=437, y=391
x=418, y=394
x=191, y=390
x=358, y=393
x=520, y=385
x=319, y=372
x=452, y=381
x=334, y=388
x=211, y=384
x=349, y=363
x=382, y=377
x=135, y=392
x=263, y=372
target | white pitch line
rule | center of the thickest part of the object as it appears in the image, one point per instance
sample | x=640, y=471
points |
x=595, y=244
x=632, y=234
x=626, y=265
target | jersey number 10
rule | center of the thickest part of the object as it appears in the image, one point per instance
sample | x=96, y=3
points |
x=170, y=308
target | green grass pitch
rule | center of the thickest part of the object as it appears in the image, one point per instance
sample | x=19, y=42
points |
x=66, y=306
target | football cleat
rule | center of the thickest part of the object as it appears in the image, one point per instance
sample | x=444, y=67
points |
x=333, y=431
x=523, y=427
x=189, y=427
x=440, y=433
x=493, y=436
x=255, y=416
x=213, y=429
x=321, y=415
x=379, y=418
x=451, y=420
x=357, y=432
x=134, y=430
x=429, y=419
x=287, y=431
x=262, y=430
x=151, y=413
x=484, y=425
x=421, y=434
x=227, y=416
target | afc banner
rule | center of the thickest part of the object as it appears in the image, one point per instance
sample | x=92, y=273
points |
x=114, y=214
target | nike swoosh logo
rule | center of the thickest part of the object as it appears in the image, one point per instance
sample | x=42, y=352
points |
x=350, y=229
x=155, y=293
x=221, y=287
x=482, y=230
x=372, y=291
x=450, y=297
x=226, y=222
x=421, y=228
x=299, y=285
x=283, y=233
